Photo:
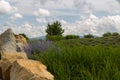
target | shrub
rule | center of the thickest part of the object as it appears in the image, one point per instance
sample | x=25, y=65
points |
x=88, y=36
x=115, y=34
x=38, y=47
x=107, y=34
x=71, y=37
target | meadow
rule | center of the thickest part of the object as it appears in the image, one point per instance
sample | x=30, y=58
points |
x=80, y=59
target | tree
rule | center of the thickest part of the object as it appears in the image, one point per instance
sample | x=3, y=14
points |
x=54, y=29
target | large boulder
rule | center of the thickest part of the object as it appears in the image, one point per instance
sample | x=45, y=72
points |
x=14, y=64
x=10, y=45
x=8, y=56
x=23, y=69
x=29, y=70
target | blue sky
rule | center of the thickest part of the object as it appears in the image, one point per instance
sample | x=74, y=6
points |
x=77, y=16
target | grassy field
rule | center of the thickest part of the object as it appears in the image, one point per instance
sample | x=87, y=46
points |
x=83, y=59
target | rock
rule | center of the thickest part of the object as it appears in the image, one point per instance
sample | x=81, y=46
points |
x=21, y=39
x=5, y=68
x=1, y=73
x=8, y=56
x=14, y=64
x=29, y=70
x=9, y=44
x=7, y=41
x=23, y=69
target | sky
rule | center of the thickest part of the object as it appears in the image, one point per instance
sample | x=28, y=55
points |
x=77, y=17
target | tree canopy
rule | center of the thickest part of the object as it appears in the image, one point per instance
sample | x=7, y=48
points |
x=54, y=29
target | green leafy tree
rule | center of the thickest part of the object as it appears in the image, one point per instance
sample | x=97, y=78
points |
x=54, y=29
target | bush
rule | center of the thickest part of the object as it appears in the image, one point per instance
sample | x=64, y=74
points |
x=88, y=36
x=54, y=38
x=115, y=34
x=35, y=47
x=107, y=34
x=71, y=37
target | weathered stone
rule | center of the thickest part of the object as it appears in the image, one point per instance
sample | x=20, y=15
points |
x=14, y=64
x=8, y=56
x=7, y=41
x=5, y=67
x=21, y=39
x=29, y=70
x=10, y=44
x=23, y=69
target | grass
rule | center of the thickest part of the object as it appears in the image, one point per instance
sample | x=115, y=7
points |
x=82, y=62
x=82, y=59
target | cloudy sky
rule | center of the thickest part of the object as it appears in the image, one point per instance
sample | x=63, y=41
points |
x=77, y=16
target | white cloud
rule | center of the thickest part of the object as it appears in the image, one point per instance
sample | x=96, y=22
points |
x=63, y=22
x=109, y=6
x=42, y=12
x=5, y=7
x=27, y=26
x=16, y=16
x=94, y=25
x=41, y=20
x=83, y=6
x=30, y=30
x=62, y=9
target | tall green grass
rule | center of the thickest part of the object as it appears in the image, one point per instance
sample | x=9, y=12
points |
x=82, y=62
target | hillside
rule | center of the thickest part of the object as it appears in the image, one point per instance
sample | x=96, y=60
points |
x=81, y=59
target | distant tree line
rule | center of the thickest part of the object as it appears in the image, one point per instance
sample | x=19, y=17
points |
x=55, y=33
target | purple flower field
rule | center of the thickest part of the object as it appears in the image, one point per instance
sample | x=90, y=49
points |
x=38, y=47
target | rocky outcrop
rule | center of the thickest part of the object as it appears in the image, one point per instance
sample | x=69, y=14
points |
x=9, y=45
x=21, y=39
x=8, y=56
x=23, y=69
x=29, y=70
x=14, y=64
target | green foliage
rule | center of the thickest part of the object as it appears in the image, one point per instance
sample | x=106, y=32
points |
x=54, y=37
x=24, y=35
x=71, y=37
x=83, y=59
x=88, y=36
x=107, y=34
x=54, y=29
x=115, y=34
x=83, y=62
